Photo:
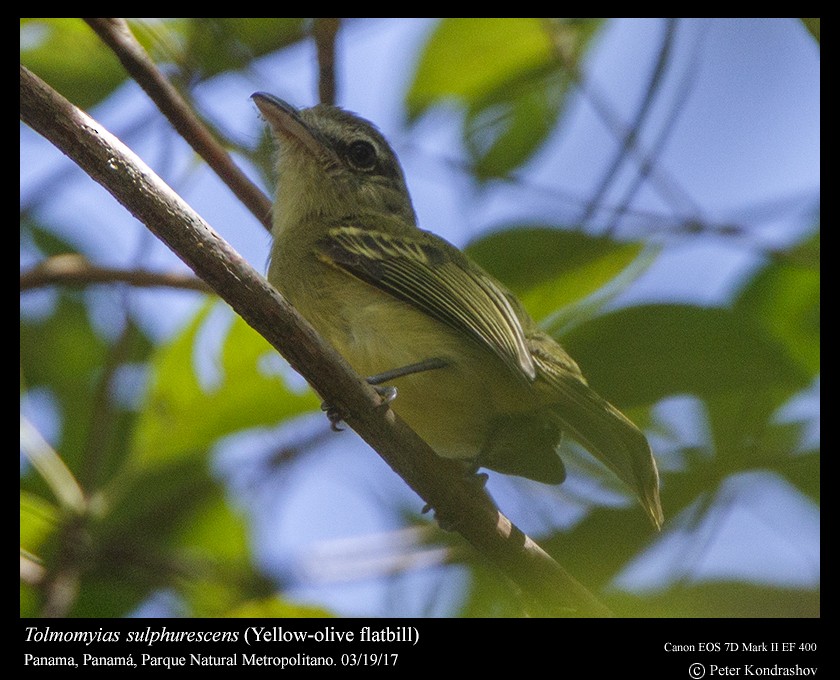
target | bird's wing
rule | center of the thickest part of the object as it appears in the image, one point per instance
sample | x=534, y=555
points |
x=435, y=277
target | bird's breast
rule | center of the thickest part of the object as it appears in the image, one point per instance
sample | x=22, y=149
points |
x=451, y=408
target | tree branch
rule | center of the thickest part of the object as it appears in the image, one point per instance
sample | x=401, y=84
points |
x=324, y=32
x=73, y=269
x=118, y=36
x=679, y=100
x=665, y=185
x=548, y=588
x=657, y=78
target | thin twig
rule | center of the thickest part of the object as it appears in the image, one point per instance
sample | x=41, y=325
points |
x=324, y=31
x=549, y=589
x=103, y=410
x=72, y=269
x=666, y=186
x=52, y=469
x=679, y=99
x=632, y=134
x=60, y=584
x=118, y=36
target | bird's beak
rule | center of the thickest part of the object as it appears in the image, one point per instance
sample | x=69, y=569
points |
x=286, y=122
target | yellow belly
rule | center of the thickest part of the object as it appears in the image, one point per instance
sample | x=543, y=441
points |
x=451, y=408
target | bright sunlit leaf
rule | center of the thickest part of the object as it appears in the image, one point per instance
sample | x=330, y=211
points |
x=511, y=77
x=182, y=416
x=551, y=268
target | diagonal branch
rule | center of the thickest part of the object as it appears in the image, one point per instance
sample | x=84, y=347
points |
x=118, y=36
x=548, y=588
x=73, y=269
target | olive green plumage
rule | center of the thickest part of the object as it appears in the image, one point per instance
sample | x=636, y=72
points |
x=348, y=254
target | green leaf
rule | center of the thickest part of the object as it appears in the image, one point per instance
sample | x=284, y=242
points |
x=456, y=62
x=217, y=536
x=38, y=521
x=510, y=75
x=602, y=543
x=719, y=599
x=217, y=528
x=277, y=608
x=170, y=527
x=549, y=268
x=46, y=242
x=469, y=60
x=180, y=416
x=490, y=595
x=136, y=542
x=745, y=437
x=813, y=26
x=29, y=600
x=638, y=355
x=149, y=504
x=62, y=350
x=803, y=471
x=784, y=298
x=502, y=131
x=216, y=45
x=68, y=55
x=63, y=353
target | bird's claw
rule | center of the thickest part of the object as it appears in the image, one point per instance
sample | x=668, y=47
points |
x=335, y=416
x=479, y=479
x=443, y=523
x=476, y=481
x=387, y=392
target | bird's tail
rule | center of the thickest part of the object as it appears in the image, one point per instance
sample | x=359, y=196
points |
x=606, y=433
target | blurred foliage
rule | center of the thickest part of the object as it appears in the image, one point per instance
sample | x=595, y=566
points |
x=512, y=101
x=157, y=519
x=813, y=26
x=276, y=608
x=784, y=298
x=68, y=55
x=549, y=269
x=181, y=415
x=641, y=354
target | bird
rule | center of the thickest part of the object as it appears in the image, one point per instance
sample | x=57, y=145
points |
x=467, y=367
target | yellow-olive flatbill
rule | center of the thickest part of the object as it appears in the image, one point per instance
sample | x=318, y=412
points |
x=475, y=377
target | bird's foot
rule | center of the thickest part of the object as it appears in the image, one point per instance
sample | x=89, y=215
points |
x=386, y=392
x=335, y=416
x=475, y=481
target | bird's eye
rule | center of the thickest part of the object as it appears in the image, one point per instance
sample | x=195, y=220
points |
x=362, y=155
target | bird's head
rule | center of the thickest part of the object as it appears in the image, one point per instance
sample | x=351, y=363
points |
x=332, y=164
